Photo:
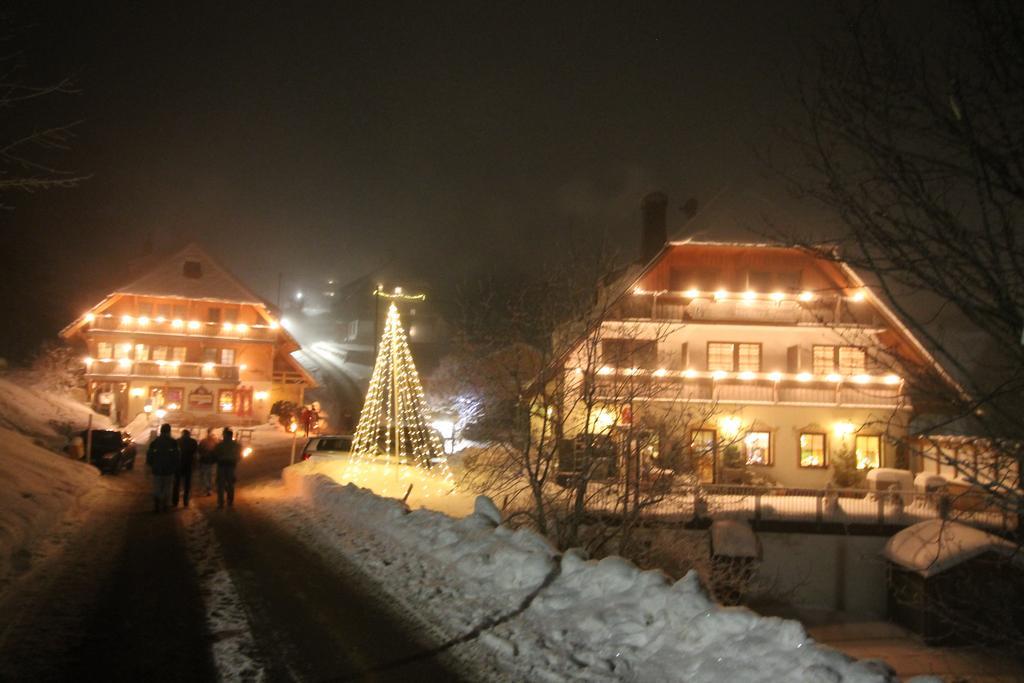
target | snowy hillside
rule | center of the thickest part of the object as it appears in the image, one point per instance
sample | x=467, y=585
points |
x=38, y=487
x=44, y=416
x=548, y=616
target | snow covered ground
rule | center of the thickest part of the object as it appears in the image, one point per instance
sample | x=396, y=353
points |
x=46, y=417
x=543, y=615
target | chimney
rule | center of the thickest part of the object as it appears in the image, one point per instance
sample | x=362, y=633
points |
x=655, y=232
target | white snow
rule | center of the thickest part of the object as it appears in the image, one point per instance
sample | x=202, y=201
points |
x=38, y=487
x=46, y=417
x=932, y=547
x=925, y=482
x=548, y=616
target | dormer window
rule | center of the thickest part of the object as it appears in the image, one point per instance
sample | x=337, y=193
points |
x=192, y=270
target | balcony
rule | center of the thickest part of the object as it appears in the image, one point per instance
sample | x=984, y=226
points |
x=142, y=326
x=128, y=369
x=884, y=391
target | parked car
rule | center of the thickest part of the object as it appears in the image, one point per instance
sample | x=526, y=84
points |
x=328, y=444
x=112, y=451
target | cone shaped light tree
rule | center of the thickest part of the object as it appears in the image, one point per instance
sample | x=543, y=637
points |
x=393, y=422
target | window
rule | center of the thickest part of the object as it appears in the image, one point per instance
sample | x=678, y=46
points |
x=848, y=360
x=788, y=280
x=104, y=350
x=227, y=356
x=812, y=449
x=209, y=355
x=160, y=352
x=851, y=360
x=869, y=452
x=703, y=280
x=180, y=354
x=757, y=446
x=192, y=270
x=213, y=315
x=122, y=351
x=721, y=356
x=729, y=356
x=760, y=281
x=142, y=352
x=226, y=401
x=748, y=357
x=629, y=353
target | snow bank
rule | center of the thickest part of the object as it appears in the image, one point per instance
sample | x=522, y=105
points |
x=47, y=417
x=38, y=486
x=560, y=617
x=932, y=547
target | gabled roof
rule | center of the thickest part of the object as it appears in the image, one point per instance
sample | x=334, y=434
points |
x=214, y=283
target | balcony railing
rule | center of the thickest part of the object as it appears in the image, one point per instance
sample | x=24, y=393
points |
x=677, y=307
x=160, y=369
x=184, y=328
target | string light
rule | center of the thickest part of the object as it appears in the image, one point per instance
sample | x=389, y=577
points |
x=806, y=296
x=89, y=317
x=193, y=324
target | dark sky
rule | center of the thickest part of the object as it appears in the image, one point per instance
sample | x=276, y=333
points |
x=320, y=140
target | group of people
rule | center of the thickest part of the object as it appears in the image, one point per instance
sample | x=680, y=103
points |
x=171, y=462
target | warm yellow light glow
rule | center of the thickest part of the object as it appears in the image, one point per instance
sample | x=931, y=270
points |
x=175, y=363
x=639, y=291
x=719, y=375
x=147, y=408
x=605, y=370
x=858, y=295
x=721, y=294
x=803, y=377
x=604, y=419
x=806, y=296
x=730, y=426
x=247, y=451
x=126, y=319
x=833, y=377
x=261, y=395
x=125, y=362
x=660, y=372
x=161, y=363
x=193, y=324
x=749, y=295
x=143, y=320
x=172, y=406
x=775, y=376
x=274, y=324
x=208, y=366
x=747, y=375
x=690, y=373
x=293, y=427
x=778, y=296
x=243, y=366
x=87, y=360
x=861, y=379
x=692, y=293
x=161, y=320
x=242, y=328
x=89, y=317
x=160, y=412
x=137, y=391
x=632, y=371
x=177, y=322
x=844, y=428
x=892, y=379
x=228, y=327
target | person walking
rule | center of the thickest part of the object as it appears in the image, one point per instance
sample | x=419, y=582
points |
x=187, y=446
x=228, y=453
x=162, y=458
x=207, y=461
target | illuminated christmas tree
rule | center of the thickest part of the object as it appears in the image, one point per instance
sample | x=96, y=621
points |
x=393, y=424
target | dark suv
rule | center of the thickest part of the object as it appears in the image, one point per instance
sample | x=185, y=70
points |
x=112, y=451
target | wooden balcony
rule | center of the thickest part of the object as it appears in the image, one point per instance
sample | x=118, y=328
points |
x=676, y=307
x=162, y=370
x=144, y=327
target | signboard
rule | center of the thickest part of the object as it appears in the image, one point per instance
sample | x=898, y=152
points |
x=201, y=399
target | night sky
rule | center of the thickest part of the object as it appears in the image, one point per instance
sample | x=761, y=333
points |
x=321, y=141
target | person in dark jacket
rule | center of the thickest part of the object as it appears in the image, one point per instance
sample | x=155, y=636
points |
x=228, y=453
x=207, y=461
x=187, y=446
x=162, y=458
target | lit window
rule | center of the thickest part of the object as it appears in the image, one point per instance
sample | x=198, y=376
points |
x=869, y=452
x=180, y=353
x=812, y=450
x=852, y=360
x=227, y=356
x=758, y=448
x=721, y=356
x=748, y=357
x=159, y=353
x=226, y=401
x=210, y=355
x=213, y=315
x=142, y=352
x=104, y=350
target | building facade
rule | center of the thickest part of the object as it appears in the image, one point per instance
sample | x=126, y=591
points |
x=188, y=338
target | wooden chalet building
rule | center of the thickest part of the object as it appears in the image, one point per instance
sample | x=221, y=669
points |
x=187, y=337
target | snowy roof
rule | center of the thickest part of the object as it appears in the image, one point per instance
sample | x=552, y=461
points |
x=934, y=546
x=208, y=280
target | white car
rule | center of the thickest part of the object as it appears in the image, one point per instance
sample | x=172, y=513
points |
x=328, y=444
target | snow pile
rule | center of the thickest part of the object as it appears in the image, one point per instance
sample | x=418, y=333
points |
x=45, y=416
x=391, y=481
x=932, y=547
x=38, y=486
x=553, y=617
